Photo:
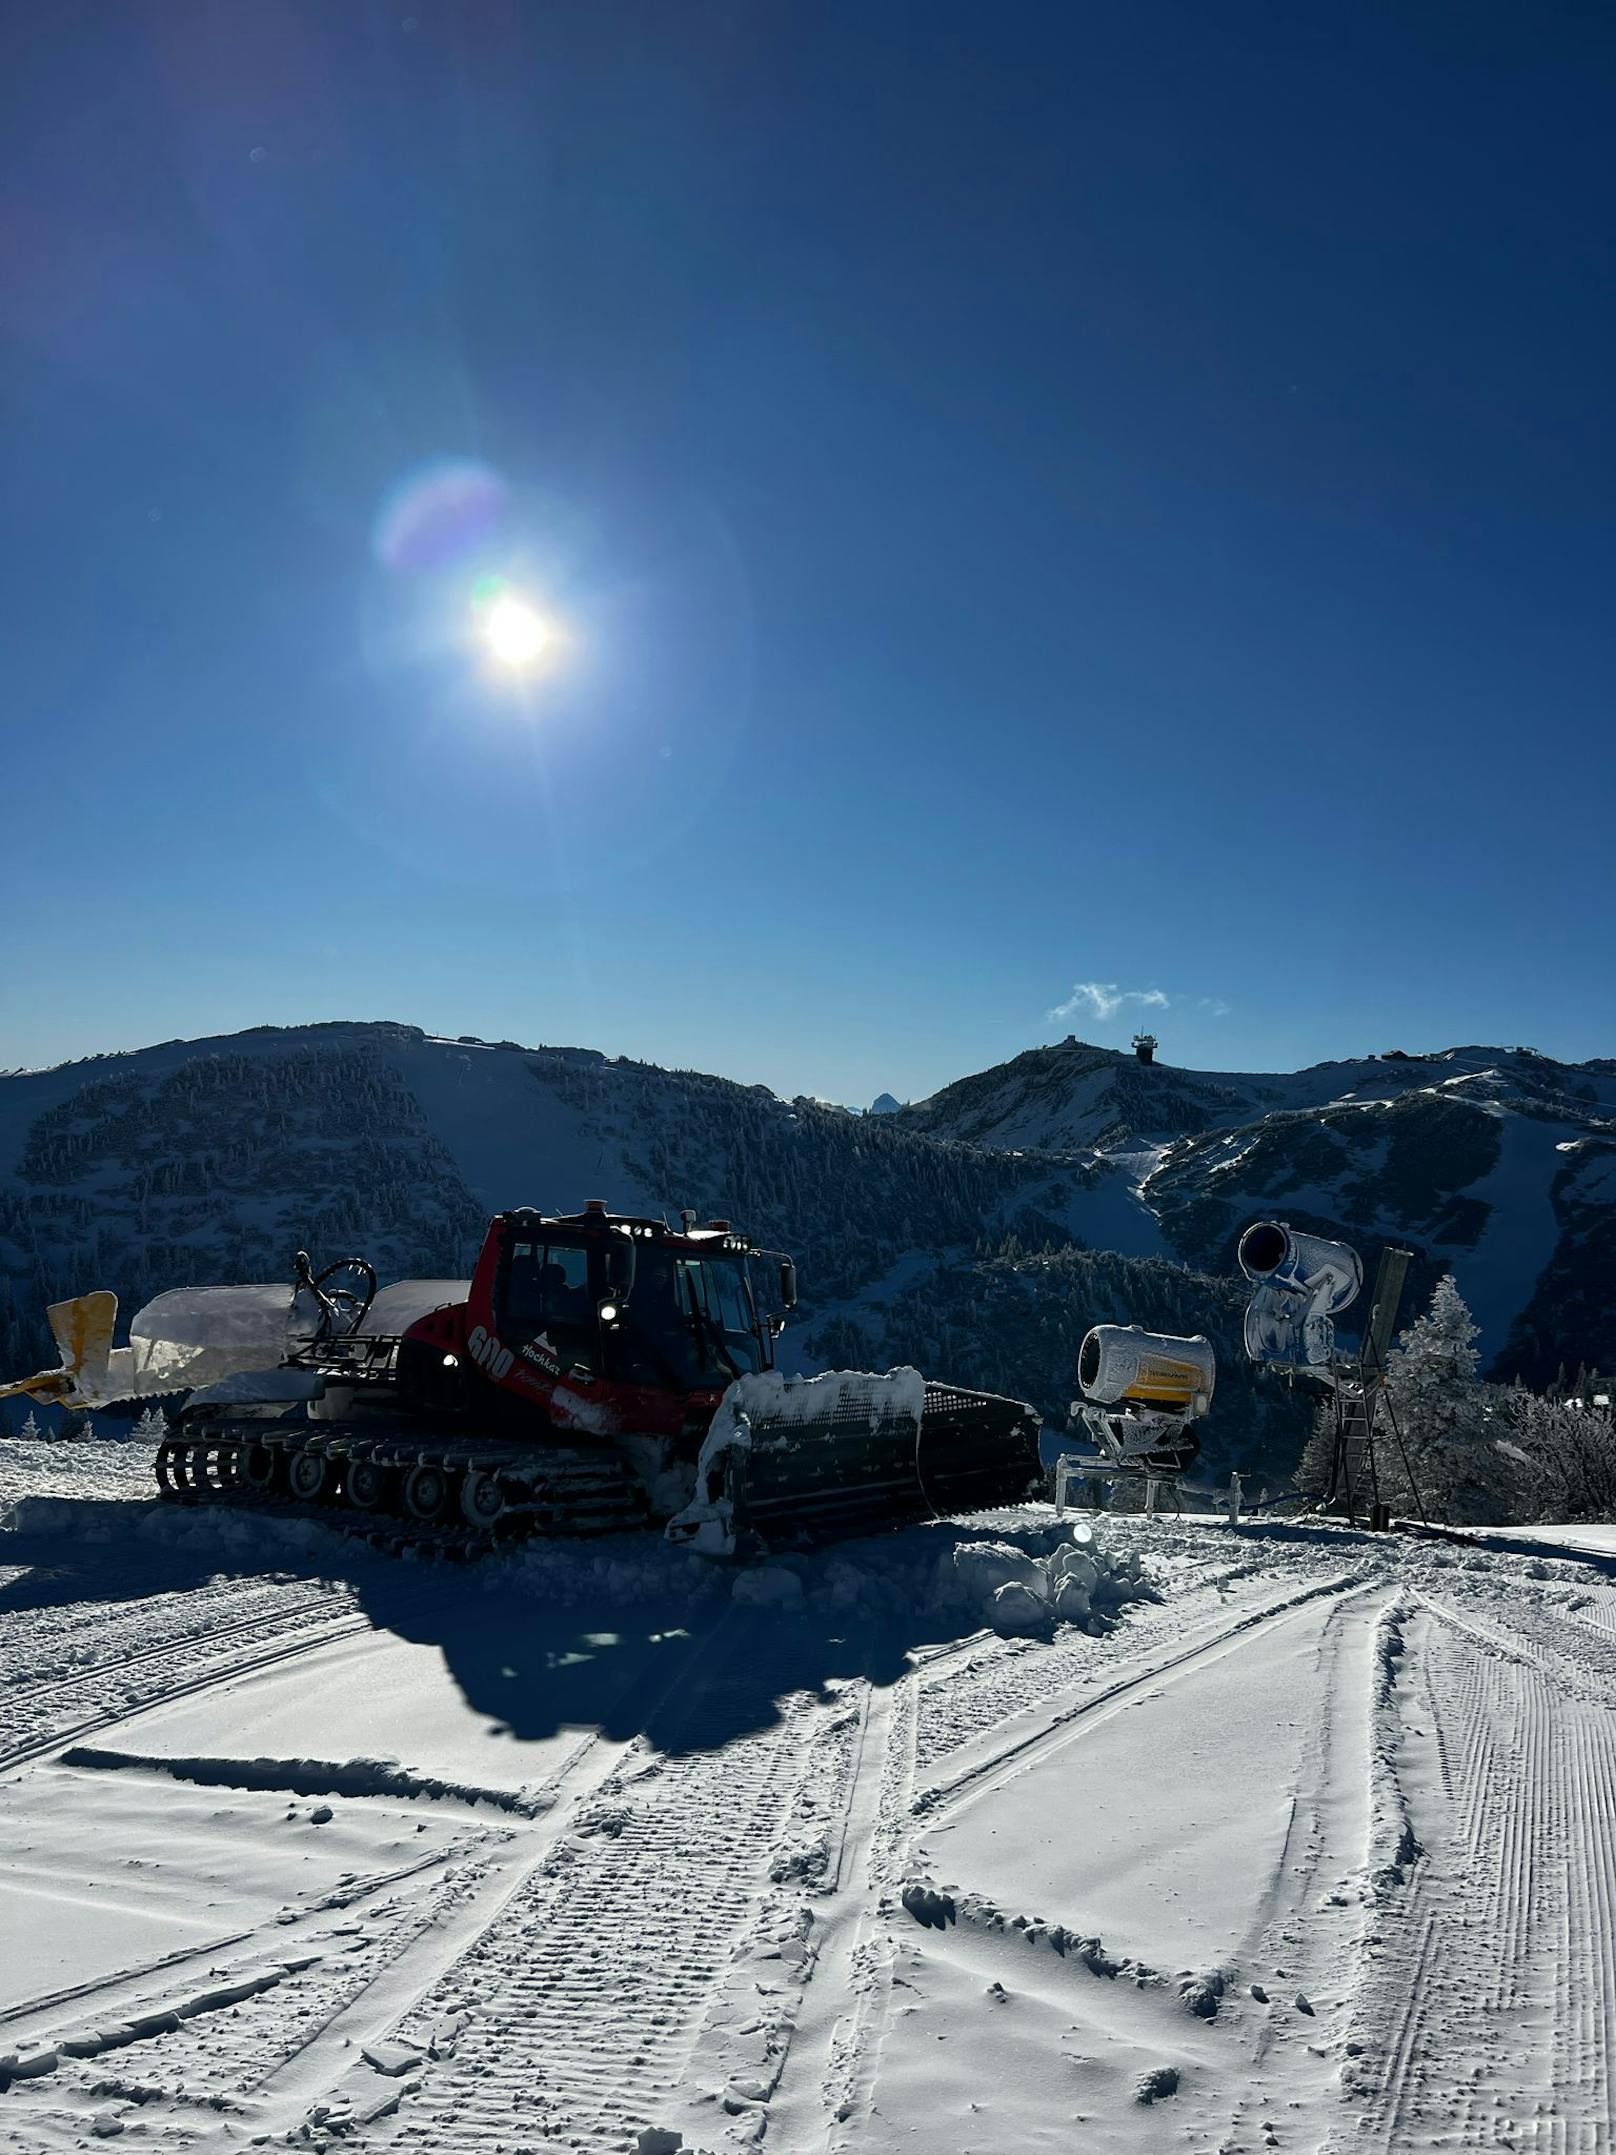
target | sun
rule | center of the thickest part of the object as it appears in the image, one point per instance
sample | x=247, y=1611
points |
x=514, y=632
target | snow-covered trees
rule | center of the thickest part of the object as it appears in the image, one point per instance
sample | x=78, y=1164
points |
x=1433, y=1366
x=1314, y=1468
x=30, y=1432
x=1443, y=1409
x=1566, y=1454
x=151, y=1428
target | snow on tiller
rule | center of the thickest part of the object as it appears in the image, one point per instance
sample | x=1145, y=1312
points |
x=819, y=1457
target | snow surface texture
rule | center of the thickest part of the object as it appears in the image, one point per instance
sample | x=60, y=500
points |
x=1299, y=1841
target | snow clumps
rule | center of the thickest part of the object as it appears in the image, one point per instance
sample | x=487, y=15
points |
x=1022, y=1577
x=1023, y=1594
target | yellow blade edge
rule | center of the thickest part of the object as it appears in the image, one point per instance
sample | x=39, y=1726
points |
x=82, y=1329
x=46, y=1385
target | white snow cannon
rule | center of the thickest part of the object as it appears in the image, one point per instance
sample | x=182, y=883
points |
x=1142, y=1393
x=1300, y=1284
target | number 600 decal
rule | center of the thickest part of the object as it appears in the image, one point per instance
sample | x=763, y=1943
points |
x=489, y=1354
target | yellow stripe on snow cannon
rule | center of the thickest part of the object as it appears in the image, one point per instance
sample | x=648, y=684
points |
x=1118, y=1363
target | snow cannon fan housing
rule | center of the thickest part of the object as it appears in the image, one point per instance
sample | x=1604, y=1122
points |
x=1124, y=1366
x=1300, y=1284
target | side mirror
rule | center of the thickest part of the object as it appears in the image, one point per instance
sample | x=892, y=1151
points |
x=619, y=1269
x=788, y=1284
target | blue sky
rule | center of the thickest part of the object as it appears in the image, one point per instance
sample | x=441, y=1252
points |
x=1040, y=504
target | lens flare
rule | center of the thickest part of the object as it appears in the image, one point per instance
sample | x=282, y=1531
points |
x=439, y=516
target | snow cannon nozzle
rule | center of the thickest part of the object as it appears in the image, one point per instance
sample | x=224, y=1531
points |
x=1329, y=1273
x=1263, y=1249
x=1142, y=1392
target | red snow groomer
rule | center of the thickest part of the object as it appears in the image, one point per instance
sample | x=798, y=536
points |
x=598, y=1372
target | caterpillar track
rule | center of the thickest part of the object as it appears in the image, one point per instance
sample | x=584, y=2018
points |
x=401, y=1489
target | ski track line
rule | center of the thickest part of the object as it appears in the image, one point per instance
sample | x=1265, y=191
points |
x=364, y=1954
x=824, y=2075
x=108, y=1997
x=830, y=2072
x=128, y=1993
x=238, y=1664
x=829, y=2081
x=1302, y=1922
x=1005, y=1677
x=424, y=1942
x=1487, y=2017
x=1578, y=1658
x=976, y=1779
x=1421, y=2029
x=27, y=1688
x=587, y=1995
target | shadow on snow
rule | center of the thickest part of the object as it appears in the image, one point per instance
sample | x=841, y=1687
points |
x=561, y=1634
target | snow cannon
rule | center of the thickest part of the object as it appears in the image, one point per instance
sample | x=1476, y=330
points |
x=1300, y=1284
x=1120, y=1363
x=1142, y=1394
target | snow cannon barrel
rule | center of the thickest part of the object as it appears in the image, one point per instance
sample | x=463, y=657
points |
x=1329, y=1274
x=1121, y=1364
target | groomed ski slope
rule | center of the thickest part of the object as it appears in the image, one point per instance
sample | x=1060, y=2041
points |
x=602, y=1849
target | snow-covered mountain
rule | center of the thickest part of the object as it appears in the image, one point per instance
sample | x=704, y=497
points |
x=972, y=1234
x=1498, y=1163
x=218, y=1158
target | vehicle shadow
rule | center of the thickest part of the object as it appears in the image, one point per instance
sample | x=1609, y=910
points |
x=572, y=1635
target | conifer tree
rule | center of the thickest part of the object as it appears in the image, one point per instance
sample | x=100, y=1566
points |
x=1441, y=1403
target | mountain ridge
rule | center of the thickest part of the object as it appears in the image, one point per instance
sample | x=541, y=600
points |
x=1073, y=1170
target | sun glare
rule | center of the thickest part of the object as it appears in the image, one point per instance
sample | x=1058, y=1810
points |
x=514, y=633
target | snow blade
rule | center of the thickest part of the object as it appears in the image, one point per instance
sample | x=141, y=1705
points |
x=82, y=1329
x=809, y=1459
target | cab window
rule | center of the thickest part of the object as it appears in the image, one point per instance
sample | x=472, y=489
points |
x=547, y=1293
x=718, y=1298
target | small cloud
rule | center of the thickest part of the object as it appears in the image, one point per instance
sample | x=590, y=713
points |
x=1102, y=999
x=1215, y=1006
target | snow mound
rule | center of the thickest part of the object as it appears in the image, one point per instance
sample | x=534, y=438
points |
x=1022, y=1576
x=768, y=1586
x=1025, y=1593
